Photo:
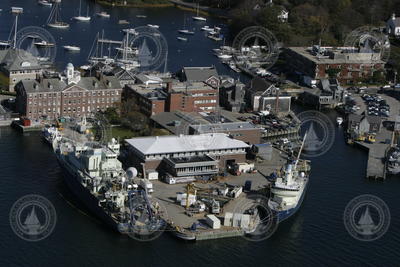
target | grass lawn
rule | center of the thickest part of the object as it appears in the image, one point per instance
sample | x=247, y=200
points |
x=121, y=133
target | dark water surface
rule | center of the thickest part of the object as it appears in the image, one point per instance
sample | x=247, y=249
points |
x=315, y=236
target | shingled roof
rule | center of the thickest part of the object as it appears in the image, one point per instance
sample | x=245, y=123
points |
x=199, y=74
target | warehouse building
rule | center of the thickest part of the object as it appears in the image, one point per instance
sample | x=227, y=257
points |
x=151, y=152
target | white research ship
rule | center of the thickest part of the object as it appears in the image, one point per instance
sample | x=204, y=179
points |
x=289, y=189
x=94, y=174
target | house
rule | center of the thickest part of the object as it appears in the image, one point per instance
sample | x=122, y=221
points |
x=262, y=95
x=207, y=75
x=332, y=86
x=361, y=125
x=231, y=94
x=283, y=15
x=17, y=65
x=68, y=95
x=393, y=26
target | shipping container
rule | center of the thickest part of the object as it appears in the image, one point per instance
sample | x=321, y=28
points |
x=213, y=221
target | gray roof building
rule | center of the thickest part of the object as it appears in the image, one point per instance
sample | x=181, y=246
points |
x=198, y=74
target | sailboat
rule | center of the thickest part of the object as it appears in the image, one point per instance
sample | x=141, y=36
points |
x=11, y=41
x=54, y=19
x=80, y=17
x=197, y=17
x=184, y=30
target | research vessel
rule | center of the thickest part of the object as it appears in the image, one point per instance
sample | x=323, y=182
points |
x=94, y=174
x=289, y=188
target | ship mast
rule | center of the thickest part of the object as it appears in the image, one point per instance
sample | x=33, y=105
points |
x=301, y=149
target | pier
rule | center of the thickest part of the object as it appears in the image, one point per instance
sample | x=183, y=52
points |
x=377, y=151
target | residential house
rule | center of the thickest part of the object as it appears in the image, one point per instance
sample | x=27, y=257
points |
x=362, y=125
x=393, y=26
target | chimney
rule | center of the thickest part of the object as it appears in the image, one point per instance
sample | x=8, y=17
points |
x=169, y=87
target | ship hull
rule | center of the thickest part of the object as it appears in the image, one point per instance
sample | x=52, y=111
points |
x=84, y=196
x=286, y=214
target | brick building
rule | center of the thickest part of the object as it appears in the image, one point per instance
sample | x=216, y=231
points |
x=172, y=95
x=347, y=65
x=66, y=96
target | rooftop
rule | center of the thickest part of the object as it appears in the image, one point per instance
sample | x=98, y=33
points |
x=184, y=143
x=58, y=85
x=336, y=55
x=18, y=59
x=199, y=74
x=222, y=127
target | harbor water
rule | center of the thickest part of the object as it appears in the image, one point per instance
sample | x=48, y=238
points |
x=316, y=235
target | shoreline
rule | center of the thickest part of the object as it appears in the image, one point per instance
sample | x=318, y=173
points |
x=181, y=6
x=106, y=3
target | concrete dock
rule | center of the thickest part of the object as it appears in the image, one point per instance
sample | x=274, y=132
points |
x=376, y=166
x=177, y=216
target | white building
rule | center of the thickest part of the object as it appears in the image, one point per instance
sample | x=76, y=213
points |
x=393, y=26
x=151, y=151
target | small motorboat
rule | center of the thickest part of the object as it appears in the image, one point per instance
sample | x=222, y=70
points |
x=72, y=48
x=224, y=56
x=45, y=3
x=199, y=18
x=123, y=21
x=103, y=14
x=339, y=121
x=154, y=26
x=141, y=16
x=183, y=39
x=186, y=32
x=207, y=28
x=44, y=44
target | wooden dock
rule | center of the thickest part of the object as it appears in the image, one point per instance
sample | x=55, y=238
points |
x=376, y=165
x=33, y=128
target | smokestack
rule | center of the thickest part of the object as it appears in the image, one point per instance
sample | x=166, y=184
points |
x=169, y=87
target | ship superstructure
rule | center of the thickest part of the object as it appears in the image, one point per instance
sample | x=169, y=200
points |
x=94, y=173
